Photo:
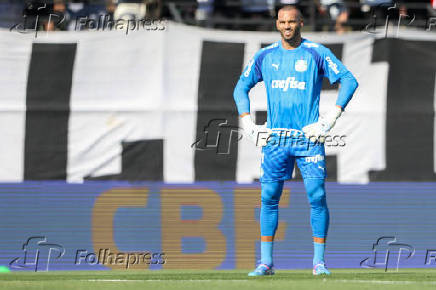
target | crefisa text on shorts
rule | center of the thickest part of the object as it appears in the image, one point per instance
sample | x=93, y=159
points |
x=105, y=257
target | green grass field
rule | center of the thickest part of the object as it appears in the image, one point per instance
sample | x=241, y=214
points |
x=164, y=279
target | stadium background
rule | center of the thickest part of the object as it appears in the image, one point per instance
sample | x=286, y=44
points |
x=130, y=142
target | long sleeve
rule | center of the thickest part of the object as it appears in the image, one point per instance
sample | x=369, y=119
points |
x=335, y=71
x=348, y=87
x=249, y=78
x=240, y=95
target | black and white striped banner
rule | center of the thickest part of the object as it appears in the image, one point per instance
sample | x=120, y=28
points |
x=103, y=105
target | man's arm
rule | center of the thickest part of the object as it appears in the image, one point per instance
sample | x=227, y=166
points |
x=346, y=91
x=348, y=87
x=241, y=97
x=335, y=71
x=249, y=78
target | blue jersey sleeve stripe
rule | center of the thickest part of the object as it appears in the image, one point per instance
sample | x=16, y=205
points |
x=318, y=59
x=258, y=70
x=247, y=81
x=260, y=58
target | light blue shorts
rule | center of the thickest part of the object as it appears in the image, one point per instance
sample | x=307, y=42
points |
x=278, y=161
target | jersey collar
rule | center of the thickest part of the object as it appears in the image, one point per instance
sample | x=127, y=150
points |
x=292, y=50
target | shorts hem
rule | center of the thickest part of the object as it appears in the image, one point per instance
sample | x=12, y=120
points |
x=276, y=179
x=304, y=178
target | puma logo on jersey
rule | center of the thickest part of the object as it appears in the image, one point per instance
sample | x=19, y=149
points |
x=276, y=66
x=289, y=83
x=332, y=65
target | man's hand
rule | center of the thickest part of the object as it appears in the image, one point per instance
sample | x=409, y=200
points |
x=259, y=134
x=318, y=131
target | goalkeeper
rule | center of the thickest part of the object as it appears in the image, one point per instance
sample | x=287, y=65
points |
x=292, y=70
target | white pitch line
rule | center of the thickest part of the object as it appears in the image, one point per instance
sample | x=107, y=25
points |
x=387, y=282
x=383, y=282
x=157, y=280
x=112, y=280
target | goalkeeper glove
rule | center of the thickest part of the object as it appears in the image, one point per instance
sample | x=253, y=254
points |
x=259, y=134
x=318, y=130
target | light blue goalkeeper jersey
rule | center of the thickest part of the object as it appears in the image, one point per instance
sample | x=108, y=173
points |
x=293, y=81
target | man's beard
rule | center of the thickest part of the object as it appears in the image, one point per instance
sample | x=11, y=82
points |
x=296, y=36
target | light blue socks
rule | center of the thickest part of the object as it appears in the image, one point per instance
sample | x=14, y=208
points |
x=318, y=253
x=266, y=249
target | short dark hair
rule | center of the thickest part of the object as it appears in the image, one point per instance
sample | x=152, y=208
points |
x=289, y=8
